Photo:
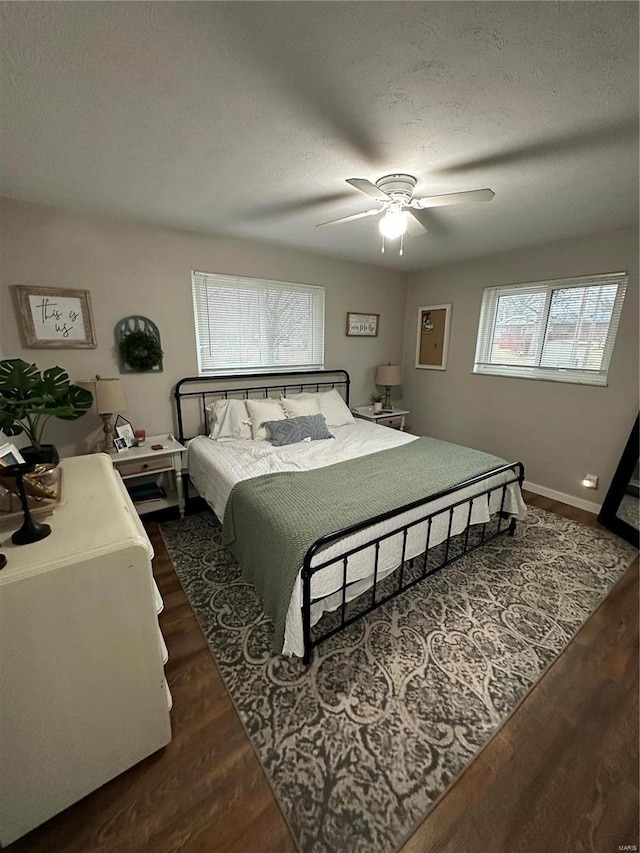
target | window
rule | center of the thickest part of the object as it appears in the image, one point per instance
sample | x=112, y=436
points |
x=560, y=330
x=250, y=324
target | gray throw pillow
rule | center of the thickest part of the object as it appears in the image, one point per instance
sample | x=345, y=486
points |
x=294, y=430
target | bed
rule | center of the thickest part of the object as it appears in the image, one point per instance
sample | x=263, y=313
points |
x=328, y=530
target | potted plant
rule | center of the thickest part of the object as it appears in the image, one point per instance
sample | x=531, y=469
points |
x=29, y=398
x=376, y=400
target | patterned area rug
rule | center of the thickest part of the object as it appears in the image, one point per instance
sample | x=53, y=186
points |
x=359, y=746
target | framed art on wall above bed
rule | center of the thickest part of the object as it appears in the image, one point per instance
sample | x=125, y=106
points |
x=362, y=325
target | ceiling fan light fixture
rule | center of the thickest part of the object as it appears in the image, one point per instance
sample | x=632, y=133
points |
x=393, y=224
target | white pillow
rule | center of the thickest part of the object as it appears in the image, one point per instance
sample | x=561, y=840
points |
x=295, y=406
x=261, y=411
x=333, y=407
x=228, y=419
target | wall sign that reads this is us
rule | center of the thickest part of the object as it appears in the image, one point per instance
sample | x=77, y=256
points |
x=50, y=317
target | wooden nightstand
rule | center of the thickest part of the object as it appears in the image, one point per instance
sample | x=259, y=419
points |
x=394, y=418
x=142, y=468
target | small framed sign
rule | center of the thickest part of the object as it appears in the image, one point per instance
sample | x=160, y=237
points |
x=362, y=325
x=52, y=318
x=432, y=344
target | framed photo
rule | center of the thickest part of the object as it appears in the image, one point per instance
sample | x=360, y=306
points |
x=120, y=444
x=432, y=344
x=10, y=455
x=362, y=325
x=51, y=318
x=126, y=432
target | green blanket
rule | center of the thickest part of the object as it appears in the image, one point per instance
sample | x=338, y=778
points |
x=271, y=520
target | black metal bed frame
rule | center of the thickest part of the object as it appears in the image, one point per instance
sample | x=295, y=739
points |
x=246, y=391
x=450, y=549
x=445, y=546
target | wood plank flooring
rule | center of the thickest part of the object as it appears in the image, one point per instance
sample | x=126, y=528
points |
x=560, y=775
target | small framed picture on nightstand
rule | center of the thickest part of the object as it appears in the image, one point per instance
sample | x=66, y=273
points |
x=124, y=430
x=120, y=444
x=126, y=433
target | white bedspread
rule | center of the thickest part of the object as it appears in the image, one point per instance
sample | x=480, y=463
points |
x=216, y=466
x=234, y=460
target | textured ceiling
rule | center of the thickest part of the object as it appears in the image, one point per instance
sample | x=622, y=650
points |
x=245, y=119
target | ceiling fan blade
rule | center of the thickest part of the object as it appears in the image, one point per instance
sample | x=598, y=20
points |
x=452, y=198
x=420, y=221
x=370, y=189
x=373, y=212
x=415, y=225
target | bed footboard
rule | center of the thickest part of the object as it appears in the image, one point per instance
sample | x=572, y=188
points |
x=413, y=566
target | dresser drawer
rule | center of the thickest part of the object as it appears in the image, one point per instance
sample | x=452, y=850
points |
x=144, y=466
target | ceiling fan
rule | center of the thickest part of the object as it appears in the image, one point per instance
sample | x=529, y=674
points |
x=397, y=204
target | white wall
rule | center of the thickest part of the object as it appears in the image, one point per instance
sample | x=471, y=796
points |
x=560, y=431
x=131, y=268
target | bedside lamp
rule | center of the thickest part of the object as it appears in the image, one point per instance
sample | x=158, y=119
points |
x=108, y=398
x=388, y=375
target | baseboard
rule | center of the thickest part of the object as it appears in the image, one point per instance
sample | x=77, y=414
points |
x=562, y=497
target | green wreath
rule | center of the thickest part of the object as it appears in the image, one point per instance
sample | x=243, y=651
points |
x=141, y=350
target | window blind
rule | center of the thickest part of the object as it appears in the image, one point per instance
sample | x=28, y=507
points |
x=563, y=330
x=248, y=325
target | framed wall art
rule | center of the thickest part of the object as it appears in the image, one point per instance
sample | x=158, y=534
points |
x=362, y=325
x=432, y=345
x=51, y=318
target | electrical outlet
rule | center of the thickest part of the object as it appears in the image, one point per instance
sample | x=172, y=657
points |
x=590, y=481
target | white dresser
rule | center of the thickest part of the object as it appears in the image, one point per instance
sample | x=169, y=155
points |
x=82, y=690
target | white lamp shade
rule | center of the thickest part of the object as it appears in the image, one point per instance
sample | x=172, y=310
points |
x=388, y=374
x=108, y=395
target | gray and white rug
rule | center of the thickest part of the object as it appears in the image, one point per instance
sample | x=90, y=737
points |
x=359, y=746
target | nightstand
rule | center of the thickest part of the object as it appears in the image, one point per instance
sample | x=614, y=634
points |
x=153, y=478
x=394, y=418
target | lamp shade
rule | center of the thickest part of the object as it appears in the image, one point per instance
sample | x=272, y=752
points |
x=388, y=374
x=108, y=395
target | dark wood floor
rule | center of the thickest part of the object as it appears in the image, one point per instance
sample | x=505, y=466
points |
x=560, y=775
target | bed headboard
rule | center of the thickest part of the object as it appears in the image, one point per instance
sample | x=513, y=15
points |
x=193, y=393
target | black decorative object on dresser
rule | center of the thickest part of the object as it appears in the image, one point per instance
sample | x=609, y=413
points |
x=139, y=345
x=31, y=530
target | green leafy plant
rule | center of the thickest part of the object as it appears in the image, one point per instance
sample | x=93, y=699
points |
x=29, y=398
x=141, y=350
x=376, y=397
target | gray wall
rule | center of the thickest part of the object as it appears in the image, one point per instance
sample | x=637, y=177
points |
x=131, y=268
x=560, y=431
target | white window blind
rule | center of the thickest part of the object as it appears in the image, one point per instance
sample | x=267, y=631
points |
x=561, y=330
x=249, y=325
